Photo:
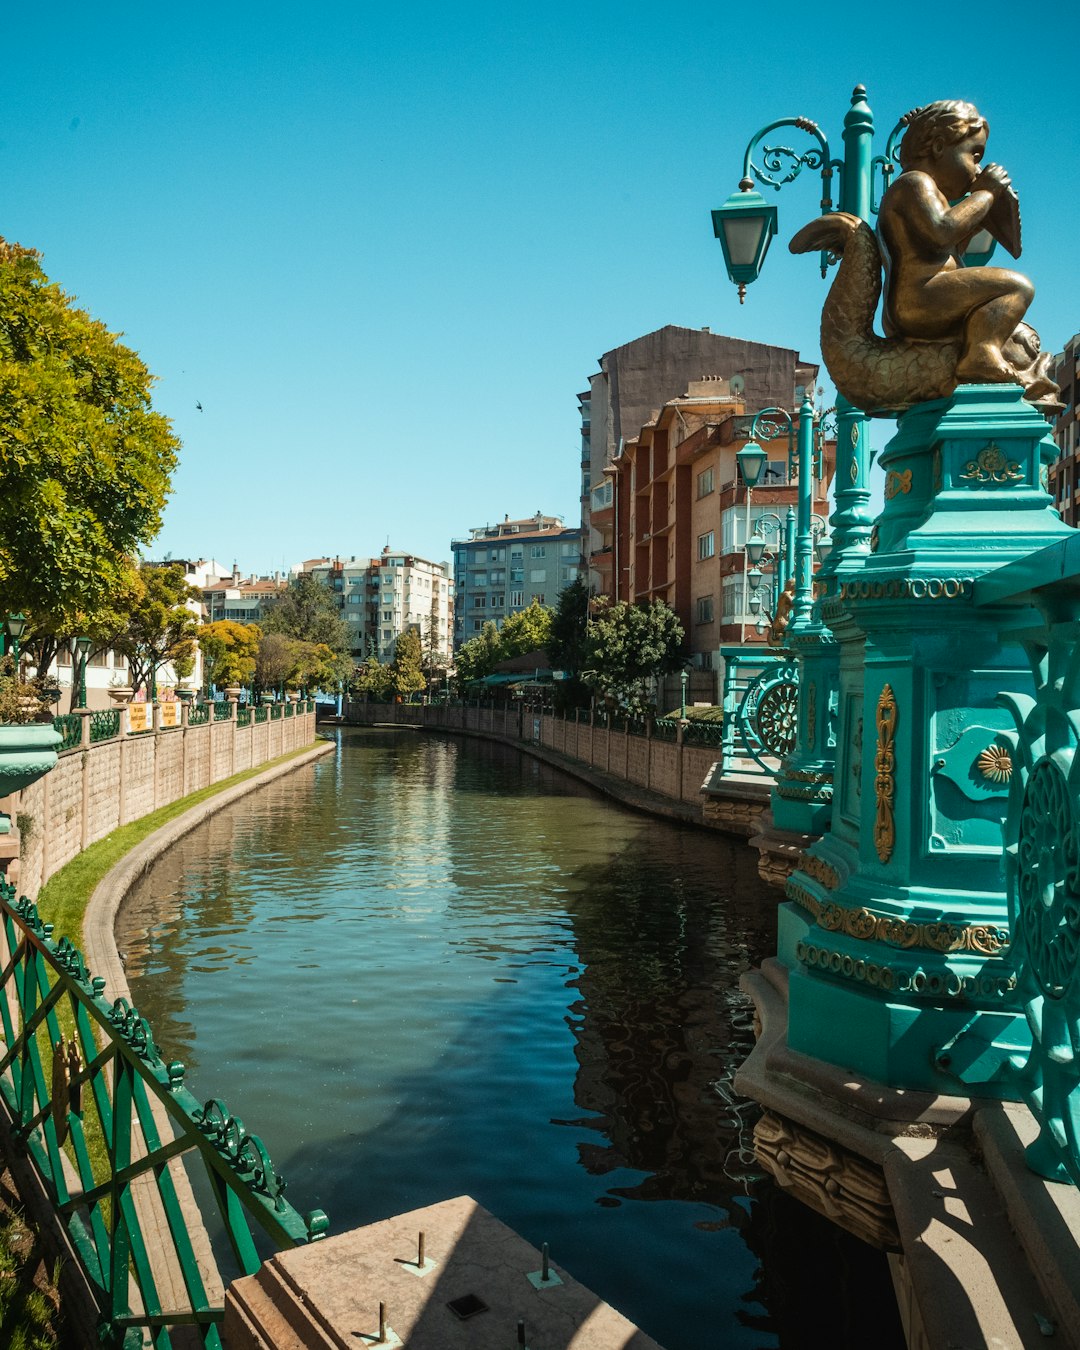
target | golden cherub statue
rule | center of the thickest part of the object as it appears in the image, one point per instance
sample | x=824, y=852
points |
x=945, y=324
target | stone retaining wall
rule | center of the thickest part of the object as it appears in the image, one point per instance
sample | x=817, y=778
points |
x=95, y=788
x=668, y=768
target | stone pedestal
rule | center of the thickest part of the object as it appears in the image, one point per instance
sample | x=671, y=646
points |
x=479, y=1280
x=896, y=935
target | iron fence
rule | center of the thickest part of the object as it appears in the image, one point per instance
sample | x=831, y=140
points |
x=104, y=724
x=198, y=714
x=260, y=714
x=222, y=711
x=697, y=731
x=69, y=725
x=275, y=712
x=243, y=717
x=120, y=1146
x=665, y=729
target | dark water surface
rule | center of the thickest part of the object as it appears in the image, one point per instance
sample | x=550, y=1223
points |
x=427, y=967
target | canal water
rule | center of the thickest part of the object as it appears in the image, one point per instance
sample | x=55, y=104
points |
x=427, y=967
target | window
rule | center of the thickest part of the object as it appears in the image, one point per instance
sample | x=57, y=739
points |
x=480, y=579
x=355, y=599
x=477, y=625
x=387, y=634
x=537, y=574
x=517, y=574
x=705, y=609
x=479, y=602
x=540, y=599
x=733, y=527
x=498, y=578
x=498, y=555
x=705, y=483
x=776, y=473
x=571, y=549
x=517, y=597
x=387, y=615
x=498, y=601
x=706, y=546
x=732, y=607
x=537, y=551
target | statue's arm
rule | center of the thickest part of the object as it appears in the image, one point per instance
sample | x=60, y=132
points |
x=928, y=216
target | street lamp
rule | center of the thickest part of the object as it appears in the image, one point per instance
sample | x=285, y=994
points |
x=684, y=676
x=745, y=225
x=16, y=626
x=82, y=648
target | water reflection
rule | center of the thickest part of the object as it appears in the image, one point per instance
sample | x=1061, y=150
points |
x=427, y=967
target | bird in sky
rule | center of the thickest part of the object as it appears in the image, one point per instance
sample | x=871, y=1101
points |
x=198, y=407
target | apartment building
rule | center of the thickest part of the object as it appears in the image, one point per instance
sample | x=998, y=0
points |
x=501, y=569
x=672, y=515
x=381, y=598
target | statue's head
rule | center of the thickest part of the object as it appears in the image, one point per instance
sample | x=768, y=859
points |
x=942, y=124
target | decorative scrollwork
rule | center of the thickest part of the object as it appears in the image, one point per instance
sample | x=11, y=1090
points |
x=777, y=158
x=1048, y=882
x=885, y=775
x=777, y=718
x=991, y=467
x=897, y=481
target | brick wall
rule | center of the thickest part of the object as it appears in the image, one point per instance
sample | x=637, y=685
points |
x=93, y=790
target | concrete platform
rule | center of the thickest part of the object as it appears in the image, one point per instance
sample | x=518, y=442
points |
x=328, y=1294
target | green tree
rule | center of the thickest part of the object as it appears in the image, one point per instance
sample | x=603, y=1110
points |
x=229, y=651
x=526, y=631
x=479, y=656
x=318, y=667
x=308, y=611
x=406, y=672
x=85, y=461
x=374, y=680
x=568, y=643
x=628, y=646
x=160, y=627
x=276, y=659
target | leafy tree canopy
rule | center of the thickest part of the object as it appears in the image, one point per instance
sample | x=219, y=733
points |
x=308, y=612
x=568, y=643
x=479, y=656
x=160, y=627
x=526, y=631
x=229, y=651
x=374, y=680
x=628, y=646
x=275, y=659
x=406, y=672
x=85, y=461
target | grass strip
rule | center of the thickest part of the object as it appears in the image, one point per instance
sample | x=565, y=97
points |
x=63, y=899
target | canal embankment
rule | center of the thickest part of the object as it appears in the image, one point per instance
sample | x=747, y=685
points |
x=674, y=779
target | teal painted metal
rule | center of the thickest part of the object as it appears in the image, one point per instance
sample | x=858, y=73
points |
x=275, y=712
x=768, y=715
x=288, y=710
x=86, y=1090
x=27, y=753
x=897, y=936
x=69, y=727
x=198, y=714
x=699, y=732
x=260, y=714
x=665, y=729
x=1042, y=838
x=104, y=724
x=741, y=668
x=243, y=717
x=222, y=711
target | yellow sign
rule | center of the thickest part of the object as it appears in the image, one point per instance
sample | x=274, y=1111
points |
x=138, y=717
x=169, y=715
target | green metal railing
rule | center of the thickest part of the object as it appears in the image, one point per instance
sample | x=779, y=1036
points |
x=699, y=732
x=222, y=711
x=275, y=712
x=288, y=710
x=198, y=714
x=69, y=725
x=665, y=729
x=105, y=724
x=260, y=714
x=120, y=1146
x=738, y=739
x=243, y=717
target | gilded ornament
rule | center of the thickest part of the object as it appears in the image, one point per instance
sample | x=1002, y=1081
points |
x=885, y=774
x=897, y=481
x=991, y=467
x=820, y=870
x=944, y=325
x=995, y=764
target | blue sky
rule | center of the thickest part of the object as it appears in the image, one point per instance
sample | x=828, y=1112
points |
x=384, y=245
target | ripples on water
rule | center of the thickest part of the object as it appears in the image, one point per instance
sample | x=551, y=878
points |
x=427, y=967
